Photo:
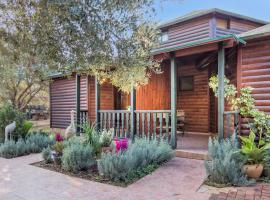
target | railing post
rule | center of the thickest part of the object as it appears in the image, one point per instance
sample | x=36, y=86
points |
x=97, y=99
x=236, y=126
x=173, y=101
x=78, y=103
x=221, y=73
x=132, y=111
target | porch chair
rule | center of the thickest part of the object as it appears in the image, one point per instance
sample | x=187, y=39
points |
x=181, y=123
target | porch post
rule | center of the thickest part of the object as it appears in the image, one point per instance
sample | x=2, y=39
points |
x=173, y=101
x=132, y=111
x=97, y=100
x=221, y=73
x=78, y=103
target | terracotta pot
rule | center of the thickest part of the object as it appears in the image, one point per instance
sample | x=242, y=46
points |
x=266, y=172
x=253, y=171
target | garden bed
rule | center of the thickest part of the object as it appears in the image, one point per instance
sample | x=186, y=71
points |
x=93, y=175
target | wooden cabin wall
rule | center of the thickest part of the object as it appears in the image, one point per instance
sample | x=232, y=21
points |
x=186, y=32
x=63, y=100
x=236, y=26
x=195, y=103
x=255, y=72
x=107, y=100
x=156, y=94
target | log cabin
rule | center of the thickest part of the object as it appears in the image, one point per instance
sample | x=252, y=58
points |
x=193, y=47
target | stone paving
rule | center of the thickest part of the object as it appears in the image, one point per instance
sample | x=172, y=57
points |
x=258, y=192
x=179, y=179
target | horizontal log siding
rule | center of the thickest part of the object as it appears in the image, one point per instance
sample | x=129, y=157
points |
x=190, y=31
x=63, y=100
x=195, y=103
x=255, y=70
x=106, y=98
x=237, y=26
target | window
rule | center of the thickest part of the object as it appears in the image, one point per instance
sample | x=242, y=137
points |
x=164, y=37
x=186, y=83
x=223, y=23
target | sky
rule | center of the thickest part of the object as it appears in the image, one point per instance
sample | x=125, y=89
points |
x=170, y=9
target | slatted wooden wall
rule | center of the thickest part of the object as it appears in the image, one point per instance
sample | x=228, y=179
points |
x=255, y=72
x=63, y=100
x=186, y=32
x=236, y=26
x=107, y=100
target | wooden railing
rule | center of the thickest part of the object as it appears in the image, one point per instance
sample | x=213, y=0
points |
x=149, y=123
x=83, y=119
x=232, y=124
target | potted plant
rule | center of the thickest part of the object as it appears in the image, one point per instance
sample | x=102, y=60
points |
x=57, y=149
x=105, y=140
x=254, y=154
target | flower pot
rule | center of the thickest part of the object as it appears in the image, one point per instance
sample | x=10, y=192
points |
x=266, y=172
x=121, y=144
x=56, y=157
x=253, y=171
x=107, y=149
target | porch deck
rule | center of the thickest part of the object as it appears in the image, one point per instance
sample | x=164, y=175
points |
x=192, y=145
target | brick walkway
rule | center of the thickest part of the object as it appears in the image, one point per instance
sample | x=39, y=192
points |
x=258, y=192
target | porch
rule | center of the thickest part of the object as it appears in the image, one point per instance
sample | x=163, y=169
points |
x=158, y=119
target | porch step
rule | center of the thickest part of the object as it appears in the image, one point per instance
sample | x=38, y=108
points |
x=198, y=155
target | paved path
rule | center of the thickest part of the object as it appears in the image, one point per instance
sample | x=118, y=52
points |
x=179, y=179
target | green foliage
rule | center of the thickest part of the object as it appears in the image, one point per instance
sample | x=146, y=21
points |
x=253, y=152
x=27, y=125
x=106, y=137
x=46, y=155
x=62, y=36
x=8, y=114
x=77, y=157
x=59, y=147
x=12, y=149
x=92, y=137
x=225, y=168
x=245, y=103
x=143, y=152
x=37, y=142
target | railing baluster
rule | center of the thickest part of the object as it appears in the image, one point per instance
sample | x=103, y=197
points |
x=105, y=121
x=123, y=123
x=138, y=124
x=160, y=125
x=101, y=120
x=109, y=121
x=143, y=122
x=127, y=125
x=228, y=118
x=155, y=124
x=167, y=126
x=236, y=126
x=148, y=124
x=113, y=122
x=118, y=125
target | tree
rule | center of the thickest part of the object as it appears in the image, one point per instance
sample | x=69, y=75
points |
x=111, y=39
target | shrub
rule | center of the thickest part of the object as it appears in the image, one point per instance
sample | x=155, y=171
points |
x=8, y=114
x=225, y=168
x=37, y=142
x=77, y=157
x=92, y=138
x=106, y=137
x=142, y=153
x=11, y=149
x=46, y=155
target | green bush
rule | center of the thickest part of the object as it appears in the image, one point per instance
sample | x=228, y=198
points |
x=106, y=137
x=225, y=168
x=37, y=142
x=77, y=157
x=12, y=149
x=8, y=114
x=139, y=155
x=46, y=155
x=92, y=138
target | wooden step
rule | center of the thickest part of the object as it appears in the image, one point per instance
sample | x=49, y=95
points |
x=198, y=155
